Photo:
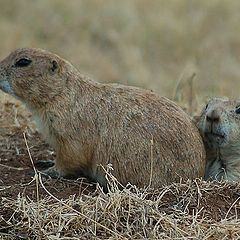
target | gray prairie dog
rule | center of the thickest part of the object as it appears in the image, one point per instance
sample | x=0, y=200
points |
x=219, y=125
x=144, y=136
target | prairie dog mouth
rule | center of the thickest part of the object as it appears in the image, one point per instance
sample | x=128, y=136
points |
x=216, y=139
x=214, y=135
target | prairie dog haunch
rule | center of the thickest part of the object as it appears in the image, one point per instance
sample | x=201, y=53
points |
x=91, y=124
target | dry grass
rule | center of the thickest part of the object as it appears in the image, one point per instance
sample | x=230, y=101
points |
x=144, y=43
x=172, y=212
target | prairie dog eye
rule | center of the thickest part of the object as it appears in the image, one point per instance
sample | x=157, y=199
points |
x=23, y=62
x=237, y=110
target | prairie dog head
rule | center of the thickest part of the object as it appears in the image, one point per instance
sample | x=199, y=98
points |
x=219, y=123
x=32, y=75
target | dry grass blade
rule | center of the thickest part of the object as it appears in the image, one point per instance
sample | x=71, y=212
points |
x=35, y=170
x=14, y=168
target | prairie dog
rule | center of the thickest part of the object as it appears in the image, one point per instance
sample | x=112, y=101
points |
x=144, y=136
x=219, y=125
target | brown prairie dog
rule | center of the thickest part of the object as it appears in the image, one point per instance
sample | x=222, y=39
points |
x=219, y=125
x=91, y=124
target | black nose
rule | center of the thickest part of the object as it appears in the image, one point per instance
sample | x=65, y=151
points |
x=213, y=116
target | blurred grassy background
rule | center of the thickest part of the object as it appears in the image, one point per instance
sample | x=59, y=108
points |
x=153, y=44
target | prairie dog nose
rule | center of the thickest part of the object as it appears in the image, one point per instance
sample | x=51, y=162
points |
x=213, y=116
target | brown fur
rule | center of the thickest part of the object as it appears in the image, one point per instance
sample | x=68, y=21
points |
x=91, y=124
x=219, y=125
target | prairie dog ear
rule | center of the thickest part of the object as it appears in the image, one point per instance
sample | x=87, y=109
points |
x=196, y=120
x=54, y=66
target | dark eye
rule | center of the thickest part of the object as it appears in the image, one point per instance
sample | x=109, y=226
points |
x=23, y=62
x=237, y=111
x=206, y=107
